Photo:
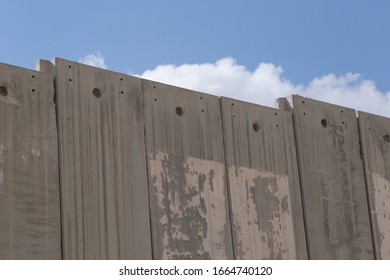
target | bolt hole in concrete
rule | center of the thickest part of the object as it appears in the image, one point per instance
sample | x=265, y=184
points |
x=179, y=111
x=324, y=123
x=256, y=127
x=386, y=138
x=97, y=93
x=3, y=91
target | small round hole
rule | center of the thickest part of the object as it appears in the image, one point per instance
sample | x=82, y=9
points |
x=154, y=86
x=343, y=122
x=276, y=114
x=121, y=79
x=303, y=102
x=256, y=127
x=122, y=92
x=179, y=111
x=201, y=97
x=33, y=90
x=324, y=123
x=304, y=113
x=277, y=125
x=97, y=93
x=202, y=110
x=33, y=76
x=155, y=99
x=234, y=116
x=386, y=138
x=70, y=80
x=70, y=66
x=232, y=104
x=3, y=91
x=342, y=111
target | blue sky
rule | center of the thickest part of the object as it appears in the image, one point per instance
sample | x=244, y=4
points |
x=305, y=41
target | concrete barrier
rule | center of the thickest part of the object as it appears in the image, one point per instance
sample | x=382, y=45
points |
x=186, y=174
x=375, y=143
x=261, y=164
x=29, y=192
x=332, y=180
x=105, y=210
x=100, y=165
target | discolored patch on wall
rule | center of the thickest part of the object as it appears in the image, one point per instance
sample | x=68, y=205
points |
x=188, y=207
x=382, y=213
x=261, y=214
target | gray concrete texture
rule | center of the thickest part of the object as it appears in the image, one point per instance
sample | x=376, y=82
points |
x=105, y=212
x=100, y=165
x=332, y=180
x=29, y=187
x=261, y=166
x=186, y=174
x=375, y=141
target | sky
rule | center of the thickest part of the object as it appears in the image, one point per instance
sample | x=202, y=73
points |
x=253, y=50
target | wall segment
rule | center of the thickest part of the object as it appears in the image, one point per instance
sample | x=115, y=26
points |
x=375, y=139
x=332, y=180
x=100, y=165
x=267, y=219
x=186, y=174
x=29, y=192
x=105, y=212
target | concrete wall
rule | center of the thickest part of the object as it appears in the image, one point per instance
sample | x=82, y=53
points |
x=332, y=180
x=29, y=186
x=100, y=165
x=375, y=143
x=267, y=220
x=186, y=174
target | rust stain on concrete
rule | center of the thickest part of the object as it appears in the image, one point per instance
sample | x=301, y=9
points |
x=262, y=219
x=192, y=212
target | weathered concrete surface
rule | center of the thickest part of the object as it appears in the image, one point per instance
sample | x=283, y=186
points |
x=186, y=174
x=332, y=180
x=105, y=212
x=375, y=141
x=263, y=180
x=29, y=192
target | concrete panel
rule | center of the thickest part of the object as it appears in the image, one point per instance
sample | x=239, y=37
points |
x=29, y=192
x=263, y=180
x=332, y=180
x=105, y=212
x=375, y=141
x=186, y=174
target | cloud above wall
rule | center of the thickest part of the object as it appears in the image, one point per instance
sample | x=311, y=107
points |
x=96, y=59
x=266, y=83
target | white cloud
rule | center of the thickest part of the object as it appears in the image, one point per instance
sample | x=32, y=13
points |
x=96, y=59
x=266, y=83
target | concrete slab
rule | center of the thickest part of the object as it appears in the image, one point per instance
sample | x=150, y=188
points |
x=29, y=187
x=375, y=141
x=105, y=212
x=332, y=180
x=263, y=180
x=186, y=174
